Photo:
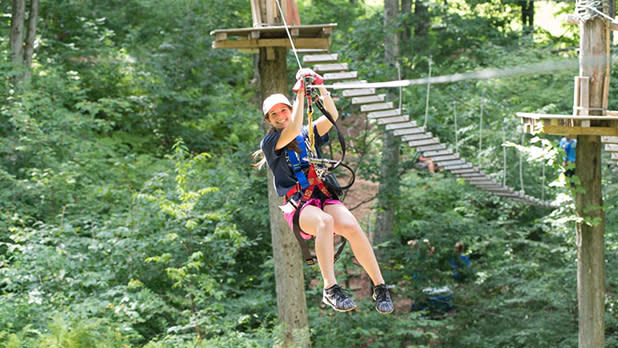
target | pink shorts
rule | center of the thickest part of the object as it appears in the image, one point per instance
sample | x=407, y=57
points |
x=289, y=217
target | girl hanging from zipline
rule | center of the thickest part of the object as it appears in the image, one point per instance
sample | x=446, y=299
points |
x=309, y=206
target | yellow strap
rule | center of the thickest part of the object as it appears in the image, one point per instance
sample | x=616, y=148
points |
x=310, y=125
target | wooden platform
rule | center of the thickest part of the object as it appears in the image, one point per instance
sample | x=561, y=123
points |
x=305, y=37
x=605, y=125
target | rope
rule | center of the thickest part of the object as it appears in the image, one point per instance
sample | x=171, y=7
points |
x=285, y=24
x=427, y=94
x=400, y=88
x=503, y=156
x=521, y=163
x=481, y=127
x=455, y=113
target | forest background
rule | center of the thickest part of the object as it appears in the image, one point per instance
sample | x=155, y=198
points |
x=131, y=214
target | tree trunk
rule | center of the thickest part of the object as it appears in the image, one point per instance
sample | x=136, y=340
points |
x=406, y=35
x=421, y=16
x=391, y=30
x=389, y=179
x=16, y=39
x=527, y=15
x=388, y=189
x=31, y=34
x=588, y=197
x=291, y=303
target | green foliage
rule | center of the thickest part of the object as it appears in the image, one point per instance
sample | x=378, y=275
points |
x=141, y=239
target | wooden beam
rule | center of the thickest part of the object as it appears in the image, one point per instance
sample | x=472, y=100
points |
x=564, y=130
x=417, y=136
x=313, y=43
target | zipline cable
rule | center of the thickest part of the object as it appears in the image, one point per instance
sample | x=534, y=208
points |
x=285, y=24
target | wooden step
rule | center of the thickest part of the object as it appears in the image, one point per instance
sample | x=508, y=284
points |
x=349, y=75
x=406, y=131
x=376, y=107
x=438, y=153
x=445, y=158
x=357, y=92
x=461, y=171
x=401, y=125
x=611, y=147
x=388, y=113
x=430, y=147
x=456, y=162
x=460, y=166
x=369, y=99
x=395, y=120
x=320, y=58
x=414, y=137
x=424, y=142
x=321, y=68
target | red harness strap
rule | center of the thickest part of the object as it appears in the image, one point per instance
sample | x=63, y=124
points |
x=314, y=181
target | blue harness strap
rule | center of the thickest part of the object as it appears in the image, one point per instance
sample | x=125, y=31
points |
x=299, y=164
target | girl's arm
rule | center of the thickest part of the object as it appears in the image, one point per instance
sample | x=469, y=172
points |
x=293, y=129
x=322, y=124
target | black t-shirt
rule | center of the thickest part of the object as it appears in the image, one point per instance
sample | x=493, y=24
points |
x=277, y=160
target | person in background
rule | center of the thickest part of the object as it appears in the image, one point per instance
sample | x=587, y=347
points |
x=568, y=145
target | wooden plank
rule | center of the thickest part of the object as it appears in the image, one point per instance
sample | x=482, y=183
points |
x=472, y=175
x=394, y=120
x=564, y=130
x=320, y=68
x=445, y=158
x=341, y=76
x=468, y=170
x=409, y=124
x=614, y=156
x=406, y=131
x=256, y=13
x=584, y=95
x=369, y=99
x=304, y=43
x=611, y=147
x=320, y=58
x=536, y=116
x=461, y=166
x=431, y=147
x=358, y=92
x=609, y=140
x=279, y=31
x=424, y=142
x=376, y=107
x=388, y=113
x=449, y=163
x=438, y=153
x=417, y=136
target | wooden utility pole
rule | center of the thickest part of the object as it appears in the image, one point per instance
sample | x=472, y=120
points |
x=289, y=277
x=269, y=38
x=593, y=68
x=590, y=121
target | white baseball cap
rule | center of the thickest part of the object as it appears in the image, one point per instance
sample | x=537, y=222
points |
x=274, y=100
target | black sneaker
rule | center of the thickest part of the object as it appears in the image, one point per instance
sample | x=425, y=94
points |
x=336, y=298
x=382, y=297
